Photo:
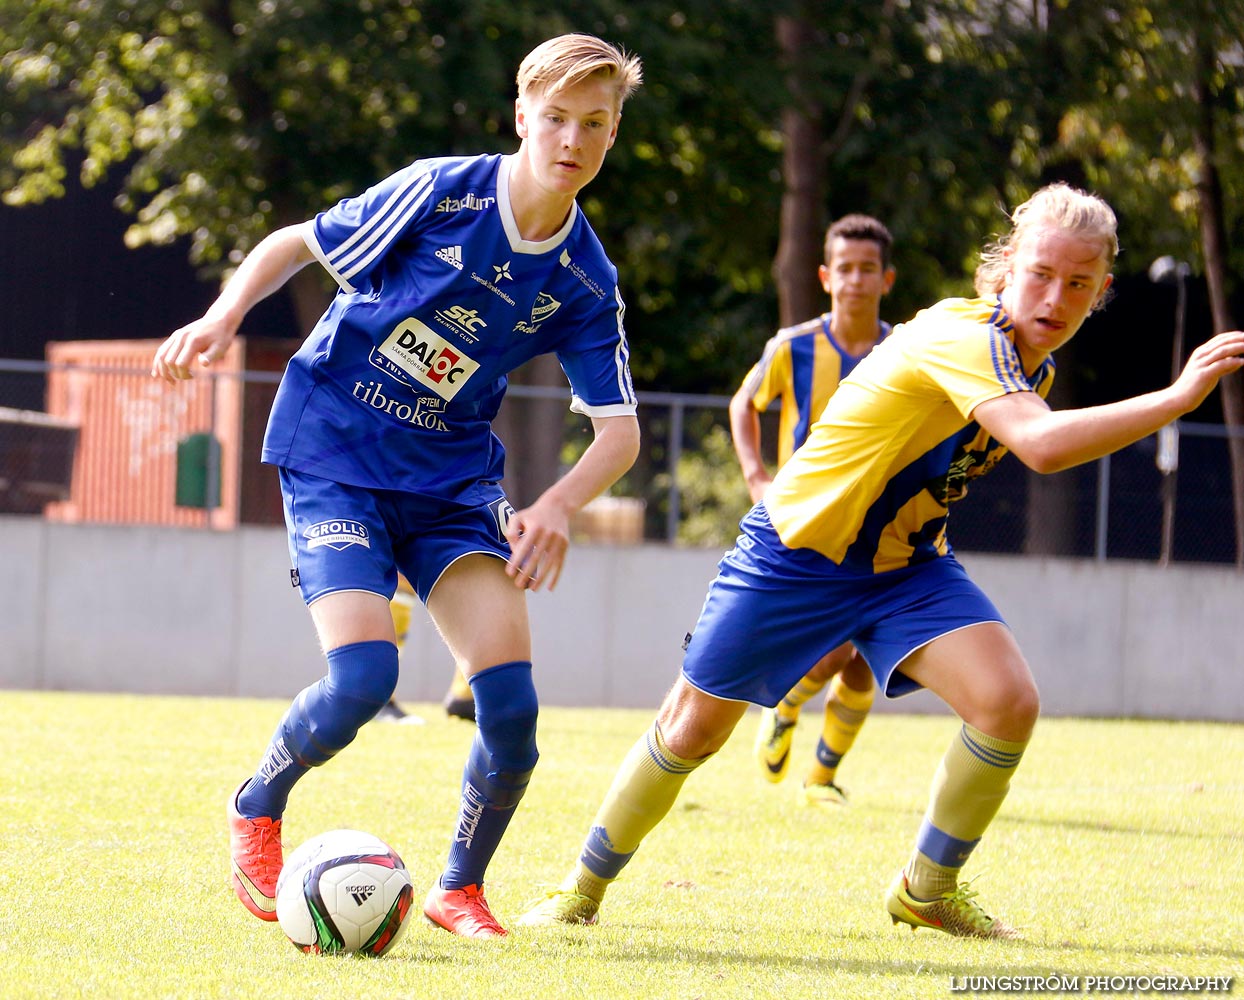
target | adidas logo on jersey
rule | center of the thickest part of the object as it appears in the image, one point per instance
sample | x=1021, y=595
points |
x=451, y=255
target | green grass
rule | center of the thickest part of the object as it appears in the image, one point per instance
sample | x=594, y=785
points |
x=1120, y=851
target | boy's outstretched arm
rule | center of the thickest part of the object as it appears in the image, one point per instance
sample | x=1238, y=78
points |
x=273, y=262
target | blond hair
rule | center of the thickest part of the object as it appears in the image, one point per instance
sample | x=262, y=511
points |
x=1059, y=205
x=568, y=60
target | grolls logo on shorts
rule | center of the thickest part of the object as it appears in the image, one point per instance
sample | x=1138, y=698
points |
x=427, y=358
x=339, y=534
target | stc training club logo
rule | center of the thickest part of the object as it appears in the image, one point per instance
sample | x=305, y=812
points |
x=413, y=351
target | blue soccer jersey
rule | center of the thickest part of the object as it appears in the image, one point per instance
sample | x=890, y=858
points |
x=439, y=299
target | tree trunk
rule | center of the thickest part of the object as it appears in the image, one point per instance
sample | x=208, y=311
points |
x=801, y=235
x=1051, y=512
x=532, y=431
x=1214, y=249
x=309, y=296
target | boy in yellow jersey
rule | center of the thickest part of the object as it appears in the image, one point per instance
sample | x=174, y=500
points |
x=802, y=366
x=849, y=544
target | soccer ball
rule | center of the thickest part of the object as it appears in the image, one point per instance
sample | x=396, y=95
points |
x=343, y=891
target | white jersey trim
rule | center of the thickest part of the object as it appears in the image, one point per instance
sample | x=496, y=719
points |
x=313, y=244
x=374, y=237
x=622, y=354
x=344, y=590
x=608, y=410
x=473, y=552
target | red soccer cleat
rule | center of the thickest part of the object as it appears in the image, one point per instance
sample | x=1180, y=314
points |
x=462, y=911
x=255, y=849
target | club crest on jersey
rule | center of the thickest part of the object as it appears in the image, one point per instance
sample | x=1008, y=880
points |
x=544, y=307
x=338, y=535
x=415, y=351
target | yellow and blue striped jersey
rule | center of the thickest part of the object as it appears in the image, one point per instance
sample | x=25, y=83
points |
x=802, y=366
x=895, y=444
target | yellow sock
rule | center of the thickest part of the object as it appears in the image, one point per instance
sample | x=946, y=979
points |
x=968, y=789
x=643, y=790
x=845, y=712
x=788, y=708
x=459, y=687
x=402, y=607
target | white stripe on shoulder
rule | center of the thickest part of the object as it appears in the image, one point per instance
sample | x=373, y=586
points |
x=761, y=367
x=382, y=241
x=381, y=228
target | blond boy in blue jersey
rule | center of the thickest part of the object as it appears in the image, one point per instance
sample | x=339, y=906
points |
x=802, y=366
x=849, y=543
x=451, y=272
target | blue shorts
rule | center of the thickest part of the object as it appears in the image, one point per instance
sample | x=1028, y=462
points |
x=773, y=612
x=344, y=537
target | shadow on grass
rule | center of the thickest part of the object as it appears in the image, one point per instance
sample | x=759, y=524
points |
x=684, y=953
x=1091, y=826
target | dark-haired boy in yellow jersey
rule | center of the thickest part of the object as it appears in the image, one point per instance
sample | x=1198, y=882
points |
x=802, y=366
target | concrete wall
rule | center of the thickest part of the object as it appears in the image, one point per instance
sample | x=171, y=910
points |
x=184, y=611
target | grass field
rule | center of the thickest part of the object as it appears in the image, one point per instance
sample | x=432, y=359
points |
x=1119, y=852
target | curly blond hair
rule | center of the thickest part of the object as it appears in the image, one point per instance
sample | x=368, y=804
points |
x=568, y=60
x=1059, y=205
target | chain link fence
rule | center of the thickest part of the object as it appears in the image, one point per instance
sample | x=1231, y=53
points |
x=89, y=436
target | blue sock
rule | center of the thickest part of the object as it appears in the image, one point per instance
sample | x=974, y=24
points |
x=600, y=858
x=322, y=720
x=497, y=770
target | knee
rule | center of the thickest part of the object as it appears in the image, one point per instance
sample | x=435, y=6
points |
x=510, y=737
x=1026, y=705
x=694, y=725
x=686, y=738
x=503, y=753
x=506, y=712
x=1009, y=711
x=857, y=675
x=361, y=678
x=326, y=716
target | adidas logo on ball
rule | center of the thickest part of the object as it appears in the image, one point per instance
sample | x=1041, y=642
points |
x=360, y=893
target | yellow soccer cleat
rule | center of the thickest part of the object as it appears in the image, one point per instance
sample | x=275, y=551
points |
x=773, y=738
x=562, y=906
x=954, y=912
x=822, y=794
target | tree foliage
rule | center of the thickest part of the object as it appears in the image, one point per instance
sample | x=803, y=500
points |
x=227, y=118
x=230, y=117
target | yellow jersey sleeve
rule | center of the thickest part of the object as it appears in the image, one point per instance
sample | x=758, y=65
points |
x=770, y=377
